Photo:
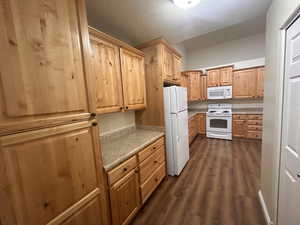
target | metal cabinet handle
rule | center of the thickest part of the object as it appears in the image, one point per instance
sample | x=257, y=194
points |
x=298, y=175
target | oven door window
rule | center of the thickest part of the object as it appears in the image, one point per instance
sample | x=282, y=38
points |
x=218, y=123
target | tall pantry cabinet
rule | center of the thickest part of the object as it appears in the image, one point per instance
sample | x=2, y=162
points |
x=50, y=161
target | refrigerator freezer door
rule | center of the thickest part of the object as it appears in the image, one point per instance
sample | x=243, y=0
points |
x=177, y=98
x=180, y=141
x=181, y=98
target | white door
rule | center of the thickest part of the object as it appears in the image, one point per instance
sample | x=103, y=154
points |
x=289, y=193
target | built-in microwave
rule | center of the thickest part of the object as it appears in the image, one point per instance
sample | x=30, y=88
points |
x=224, y=92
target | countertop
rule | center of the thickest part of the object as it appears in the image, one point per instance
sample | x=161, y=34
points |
x=118, y=149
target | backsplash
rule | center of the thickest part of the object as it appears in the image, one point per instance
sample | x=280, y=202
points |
x=255, y=104
x=116, y=122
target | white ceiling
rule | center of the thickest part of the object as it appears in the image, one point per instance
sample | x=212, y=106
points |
x=137, y=21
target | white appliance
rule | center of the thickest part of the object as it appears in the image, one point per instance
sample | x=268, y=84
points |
x=224, y=92
x=176, y=128
x=219, y=121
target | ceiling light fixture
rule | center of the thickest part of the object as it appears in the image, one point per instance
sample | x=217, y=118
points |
x=186, y=4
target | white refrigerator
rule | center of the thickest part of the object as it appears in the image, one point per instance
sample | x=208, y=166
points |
x=176, y=128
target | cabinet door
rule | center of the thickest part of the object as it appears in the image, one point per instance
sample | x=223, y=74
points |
x=106, y=75
x=177, y=68
x=133, y=79
x=260, y=82
x=194, y=83
x=203, y=88
x=48, y=173
x=42, y=67
x=226, y=76
x=239, y=128
x=88, y=215
x=213, y=78
x=202, y=124
x=168, y=70
x=125, y=199
x=244, y=83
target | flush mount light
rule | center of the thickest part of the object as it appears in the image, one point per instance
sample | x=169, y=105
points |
x=185, y=4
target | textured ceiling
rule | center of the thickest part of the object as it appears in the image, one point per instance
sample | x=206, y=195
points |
x=137, y=21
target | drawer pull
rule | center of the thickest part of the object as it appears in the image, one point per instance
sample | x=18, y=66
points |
x=136, y=170
x=156, y=179
x=154, y=148
x=155, y=161
x=125, y=169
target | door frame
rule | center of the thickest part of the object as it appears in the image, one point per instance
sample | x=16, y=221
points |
x=282, y=67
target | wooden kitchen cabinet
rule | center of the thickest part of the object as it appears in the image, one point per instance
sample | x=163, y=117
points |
x=177, y=67
x=133, y=79
x=248, y=83
x=202, y=123
x=53, y=171
x=118, y=73
x=247, y=126
x=219, y=76
x=203, y=88
x=239, y=128
x=260, y=82
x=107, y=73
x=43, y=64
x=194, y=85
x=125, y=198
x=168, y=64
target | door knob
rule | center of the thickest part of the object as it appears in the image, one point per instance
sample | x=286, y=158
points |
x=298, y=175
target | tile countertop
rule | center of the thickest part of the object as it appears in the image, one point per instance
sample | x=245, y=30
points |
x=119, y=149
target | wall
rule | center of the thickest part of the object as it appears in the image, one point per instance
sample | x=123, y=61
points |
x=251, y=47
x=110, y=123
x=277, y=15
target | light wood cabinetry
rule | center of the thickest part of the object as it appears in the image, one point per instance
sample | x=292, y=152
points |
x=132, y=182
x=196, y=85
x=118, y=73
x=203, y=88
x=125, y=199
x=219, y=76
x=202, y=124
x=53, y=172
x=196, y=125
x=247, y=126
x=42, y=64
x=248, y=83
x=159, y=62
x=133, y=79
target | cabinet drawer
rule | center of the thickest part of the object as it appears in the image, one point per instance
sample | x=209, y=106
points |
x=123, y=169
x=240, y=117
x=149, y=165
x=255, y=117
x=150, y=185
x=254, y=134
x=255, y=122
x=254, y=128
x=150, y=149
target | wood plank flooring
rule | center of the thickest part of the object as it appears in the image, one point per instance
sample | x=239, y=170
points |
x=219, y=186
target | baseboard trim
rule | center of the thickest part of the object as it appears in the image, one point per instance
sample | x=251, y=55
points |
x=264, y=208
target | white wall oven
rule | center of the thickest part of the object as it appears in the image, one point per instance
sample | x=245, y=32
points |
x=219, y=121
x=224, y=92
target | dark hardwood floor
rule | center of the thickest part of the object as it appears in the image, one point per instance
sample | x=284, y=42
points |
x=219, y=186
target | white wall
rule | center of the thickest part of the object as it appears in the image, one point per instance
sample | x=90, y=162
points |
x=248, y=48
x=278, y=13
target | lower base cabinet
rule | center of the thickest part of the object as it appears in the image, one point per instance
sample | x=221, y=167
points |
x=125, y=198
x=132, y=182
x=197, y=125
x=247, y=126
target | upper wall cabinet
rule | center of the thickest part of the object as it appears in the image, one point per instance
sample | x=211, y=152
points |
x=196, y=84
x=248, y=83
x=133, y=79
x=118, y=74
x=42, y=66
x=219, y=76
x=169, y=58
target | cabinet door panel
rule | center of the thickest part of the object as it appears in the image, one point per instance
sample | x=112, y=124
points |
x=133, y=79
x=203, y=88
x=239, y=128
x=244, y=83
x=41, y=62
x=125, y=199
x=194, y=84
x=260, y=82
x=177, y=67
x=213, y=78
x=168, y=64
x=226, y=76
x=107, y=76
x=47, y=171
